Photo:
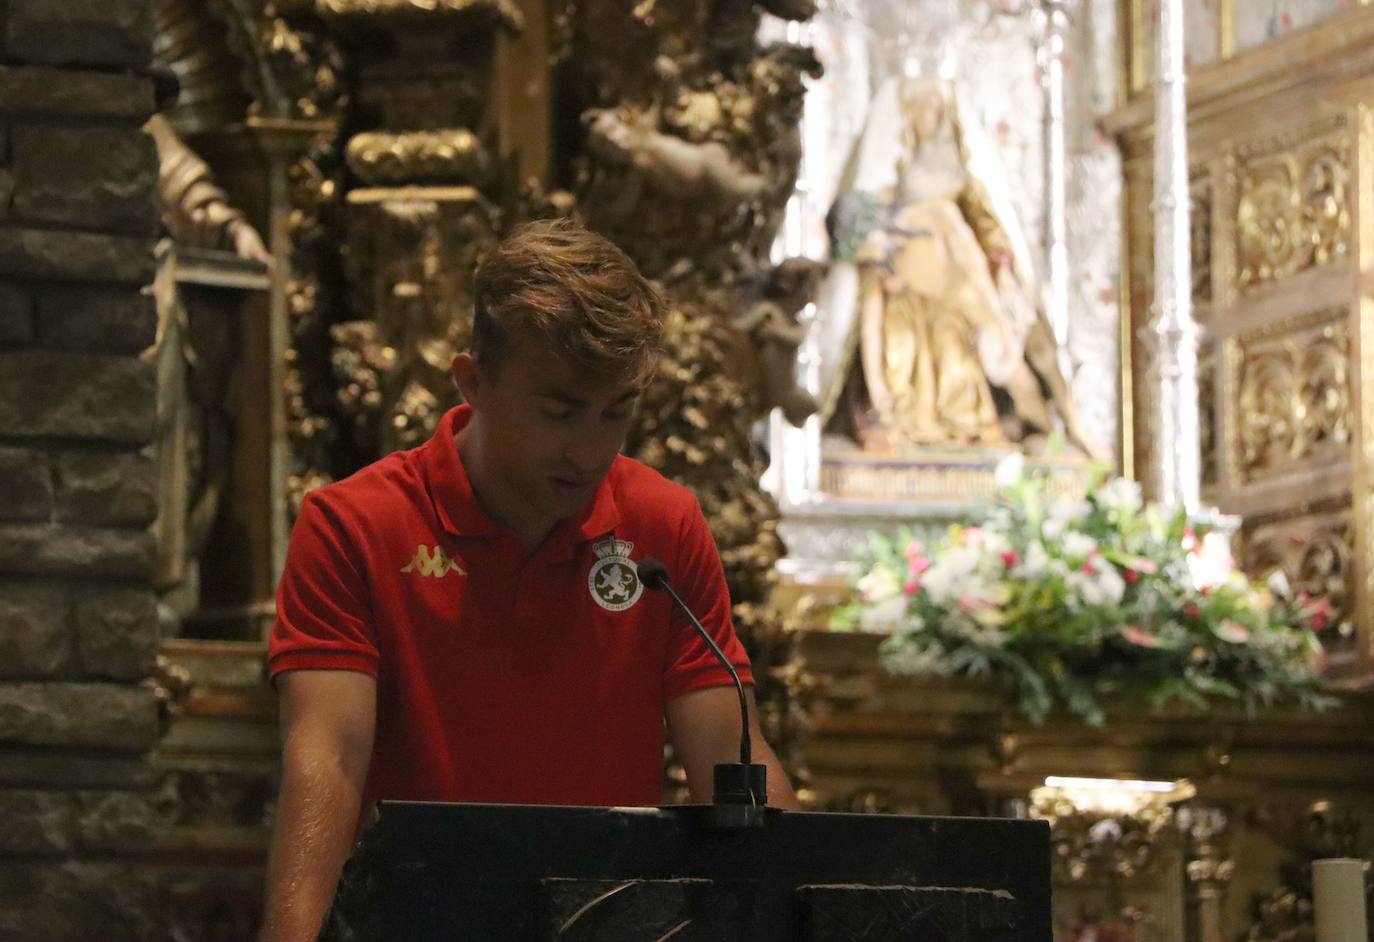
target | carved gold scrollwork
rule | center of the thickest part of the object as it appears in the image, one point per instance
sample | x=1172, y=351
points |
x=1089, y=845
x=411, y=254
x=1317, y=556
x=1294, y=390
x=505, y=13
x=451, y=156
x=310, y=296
x=1293, y=213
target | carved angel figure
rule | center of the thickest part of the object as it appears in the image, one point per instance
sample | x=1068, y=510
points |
x=944, y=293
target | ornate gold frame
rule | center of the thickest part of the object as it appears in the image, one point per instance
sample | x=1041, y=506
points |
x=1282, y=135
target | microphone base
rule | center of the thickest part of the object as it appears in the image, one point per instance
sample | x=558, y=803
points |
x=741, y=796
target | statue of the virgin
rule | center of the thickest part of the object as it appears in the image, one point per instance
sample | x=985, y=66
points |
x=932, y=287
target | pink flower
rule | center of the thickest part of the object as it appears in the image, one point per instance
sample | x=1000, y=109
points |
x=911, y=587
x=1010, y=558
x=915, y=549
x=974, y=603
x=1190, y=541
x=1321, y=614
x=918, y=565
x=1232, y=632
x=1131, y=576
x=1088, y=568
x=1139, y=636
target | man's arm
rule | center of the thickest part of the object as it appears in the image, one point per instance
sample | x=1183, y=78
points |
x=327, y=722
x=703, y=726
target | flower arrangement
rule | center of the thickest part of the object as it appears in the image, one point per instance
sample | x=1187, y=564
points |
x=1074, y=600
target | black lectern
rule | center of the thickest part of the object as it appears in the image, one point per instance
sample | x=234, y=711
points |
x=489, y=873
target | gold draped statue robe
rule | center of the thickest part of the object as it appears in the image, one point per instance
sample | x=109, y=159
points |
x=945, y=309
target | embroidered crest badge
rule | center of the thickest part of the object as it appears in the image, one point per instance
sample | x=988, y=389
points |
x=612, y=581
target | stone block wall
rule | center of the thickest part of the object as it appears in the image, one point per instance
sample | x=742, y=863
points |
x=78, y=411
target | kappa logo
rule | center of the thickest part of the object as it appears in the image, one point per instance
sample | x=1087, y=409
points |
x=613, y=582
x=434, y=563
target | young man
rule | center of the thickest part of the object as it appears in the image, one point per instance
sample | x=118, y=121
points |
x=462, y=622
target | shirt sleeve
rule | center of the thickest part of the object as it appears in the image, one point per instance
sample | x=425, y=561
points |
x=324, y=620
x=700, y=580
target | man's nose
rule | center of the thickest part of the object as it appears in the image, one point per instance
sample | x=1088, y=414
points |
x=586, y=453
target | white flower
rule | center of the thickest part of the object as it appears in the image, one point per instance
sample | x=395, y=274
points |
x=915, y=659
x=994, y=544
x=1212, y=565
x=1119, y=495
x=888, y=616
x=1010, y=469
x=1062, y=513
x=1035, y=562
x=1099, y=585
x=1079, y=545
x=966, y=626
x=954, y=575
x=880, y=583
x=1278, y=584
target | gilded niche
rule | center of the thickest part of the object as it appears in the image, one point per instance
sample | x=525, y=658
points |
x=1293, y=211
x=1200, y=239
x=1207, y=411
x=1294, y=388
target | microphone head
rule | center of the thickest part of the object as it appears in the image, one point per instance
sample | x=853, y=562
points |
x=652, y=573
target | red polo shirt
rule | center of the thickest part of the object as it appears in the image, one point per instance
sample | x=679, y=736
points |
x=501, y=677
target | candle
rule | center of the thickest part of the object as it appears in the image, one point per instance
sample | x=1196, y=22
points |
x=1338, y=896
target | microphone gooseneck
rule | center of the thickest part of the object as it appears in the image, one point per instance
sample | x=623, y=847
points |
x=654, y=575
x=740, y=791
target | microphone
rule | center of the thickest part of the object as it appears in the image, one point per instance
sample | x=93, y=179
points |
x=741, y=790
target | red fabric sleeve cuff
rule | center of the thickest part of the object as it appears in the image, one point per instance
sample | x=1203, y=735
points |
x=700, y=679
x=321, y=660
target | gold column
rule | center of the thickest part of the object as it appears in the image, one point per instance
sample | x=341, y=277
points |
x=1362, y=357
x=1226, y=29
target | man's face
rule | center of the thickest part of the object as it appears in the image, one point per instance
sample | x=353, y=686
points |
x=548, y=431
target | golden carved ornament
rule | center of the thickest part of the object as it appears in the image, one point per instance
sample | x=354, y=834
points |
x=412, y=252
x=450, y=156
x=504, y=13
x=1284, y=916
x=1293, y=212
x=1294, y=395
x=1088, y=844
x=1317, y=556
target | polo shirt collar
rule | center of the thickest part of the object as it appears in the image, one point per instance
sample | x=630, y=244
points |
x=451, y=490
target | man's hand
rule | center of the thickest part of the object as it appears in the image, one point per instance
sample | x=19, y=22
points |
x=703, y=727
x=327, y=723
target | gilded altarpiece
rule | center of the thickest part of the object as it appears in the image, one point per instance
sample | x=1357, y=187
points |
x=1279, y=143
x=1281, y=147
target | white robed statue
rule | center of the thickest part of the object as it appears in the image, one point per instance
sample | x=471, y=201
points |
x=932, y=287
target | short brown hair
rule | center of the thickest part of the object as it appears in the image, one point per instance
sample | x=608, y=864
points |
x=574, y=288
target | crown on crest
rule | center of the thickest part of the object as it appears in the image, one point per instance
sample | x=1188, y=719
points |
x=612, y=547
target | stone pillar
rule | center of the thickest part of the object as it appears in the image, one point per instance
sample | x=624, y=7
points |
x=78, y=617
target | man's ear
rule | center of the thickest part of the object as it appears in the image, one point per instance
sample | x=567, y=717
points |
x=467, y=376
